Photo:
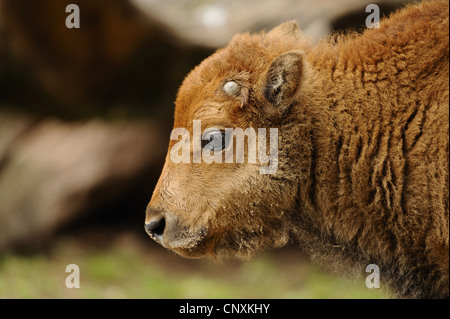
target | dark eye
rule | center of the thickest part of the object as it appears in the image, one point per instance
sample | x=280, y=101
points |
x=214, y=140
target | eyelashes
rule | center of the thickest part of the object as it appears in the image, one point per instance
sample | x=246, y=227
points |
x=214, y=140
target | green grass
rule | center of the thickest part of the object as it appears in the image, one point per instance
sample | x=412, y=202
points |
x=130, y=269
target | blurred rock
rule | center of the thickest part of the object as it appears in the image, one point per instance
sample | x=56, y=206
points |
x=52, y=171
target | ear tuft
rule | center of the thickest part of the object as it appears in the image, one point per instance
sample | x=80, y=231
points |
x=283, y=80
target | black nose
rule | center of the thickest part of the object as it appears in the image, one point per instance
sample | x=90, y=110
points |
x=156, y=226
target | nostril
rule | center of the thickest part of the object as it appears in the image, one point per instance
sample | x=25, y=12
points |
x=156, y=227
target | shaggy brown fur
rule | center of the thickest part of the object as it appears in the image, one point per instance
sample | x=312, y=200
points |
x=363, y=151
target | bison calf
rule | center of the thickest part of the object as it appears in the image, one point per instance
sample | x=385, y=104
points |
x=361, y=173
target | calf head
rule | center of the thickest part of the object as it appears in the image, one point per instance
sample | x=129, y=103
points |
x=230, y=208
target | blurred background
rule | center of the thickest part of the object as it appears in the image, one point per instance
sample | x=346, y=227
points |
x=85, y=117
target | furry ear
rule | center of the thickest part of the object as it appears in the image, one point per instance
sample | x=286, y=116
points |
x=282, y=82
x=287, y=29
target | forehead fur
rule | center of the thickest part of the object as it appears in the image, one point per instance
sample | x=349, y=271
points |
x=245, y=54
